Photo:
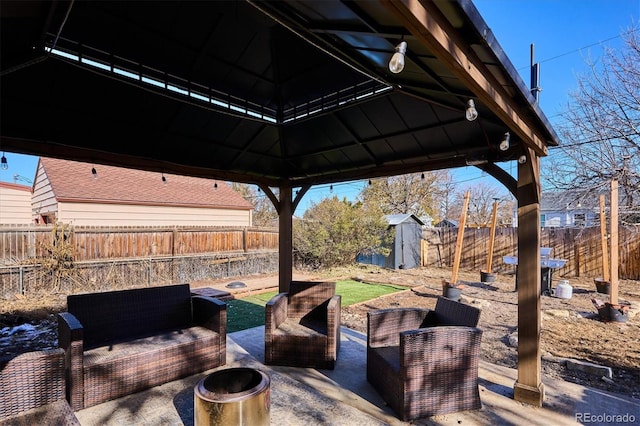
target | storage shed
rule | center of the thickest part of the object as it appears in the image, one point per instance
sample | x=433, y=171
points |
x=405, y=248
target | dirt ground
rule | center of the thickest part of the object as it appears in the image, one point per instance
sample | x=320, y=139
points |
x=571, y=328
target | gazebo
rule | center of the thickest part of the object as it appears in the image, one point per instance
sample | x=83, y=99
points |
x=284, y=95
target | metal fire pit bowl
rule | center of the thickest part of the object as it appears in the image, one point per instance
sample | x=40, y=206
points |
x=233, y=396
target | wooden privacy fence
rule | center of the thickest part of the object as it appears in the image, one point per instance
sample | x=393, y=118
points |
x=19, y=243
x=581, y=247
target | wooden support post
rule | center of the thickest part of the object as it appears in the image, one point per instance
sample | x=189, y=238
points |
x=613, y=299
x=603, y=240
x=492, y=237
x=529, y=387
x=458, y=253
x=285, y=240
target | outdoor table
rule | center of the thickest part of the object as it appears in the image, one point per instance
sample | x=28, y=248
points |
x=547, y=265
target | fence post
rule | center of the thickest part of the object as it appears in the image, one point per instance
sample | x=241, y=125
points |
x=21, y=281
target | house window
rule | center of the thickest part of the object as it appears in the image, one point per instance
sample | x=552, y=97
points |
x=543, y=220
x=579, y=219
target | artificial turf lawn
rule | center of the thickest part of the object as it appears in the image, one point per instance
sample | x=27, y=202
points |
x=248, y=312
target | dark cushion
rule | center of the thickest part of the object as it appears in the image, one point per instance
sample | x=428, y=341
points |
x=115, y=315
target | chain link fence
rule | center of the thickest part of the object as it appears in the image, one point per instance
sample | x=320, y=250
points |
x=104, y=275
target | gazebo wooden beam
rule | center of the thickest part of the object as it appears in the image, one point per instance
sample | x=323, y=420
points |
x=425, y=21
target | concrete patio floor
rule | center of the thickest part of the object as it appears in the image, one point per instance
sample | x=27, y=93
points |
x=304, y=396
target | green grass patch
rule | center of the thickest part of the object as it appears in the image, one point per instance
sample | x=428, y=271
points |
x=248, y=312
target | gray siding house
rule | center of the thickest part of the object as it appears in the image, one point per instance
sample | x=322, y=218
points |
x=567, y=209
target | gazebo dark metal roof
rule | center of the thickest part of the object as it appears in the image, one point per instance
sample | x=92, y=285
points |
x=283, y=94
x=251, y=91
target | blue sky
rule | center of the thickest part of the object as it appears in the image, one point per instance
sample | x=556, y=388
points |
x=564, y=33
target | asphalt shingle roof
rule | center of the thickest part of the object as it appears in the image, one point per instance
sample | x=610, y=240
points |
x=73, y=181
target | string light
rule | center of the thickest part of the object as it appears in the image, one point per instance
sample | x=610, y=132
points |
x=94, y=172
x=504, y=145
x=4, y=163
x=471, y=112
x=396, y=64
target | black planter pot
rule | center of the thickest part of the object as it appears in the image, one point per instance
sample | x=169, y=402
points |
x=487, y=277
x=613, y=313
x=602, y=286
x=452, y=293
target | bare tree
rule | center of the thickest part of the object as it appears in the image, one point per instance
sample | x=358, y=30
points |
x=482, y=197
x=415, y=193
x=264, y=213
x=601, y=131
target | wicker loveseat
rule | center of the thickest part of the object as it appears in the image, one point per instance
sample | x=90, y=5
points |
x=302, y=326
x=424, y=362
x=121, y=342
x=32, y=390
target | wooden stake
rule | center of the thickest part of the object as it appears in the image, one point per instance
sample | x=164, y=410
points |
x=458, y=252
x=492, y=237
x=603, y=239
x=613, y=299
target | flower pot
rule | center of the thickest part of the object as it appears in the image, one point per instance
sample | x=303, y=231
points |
x=613, y=313
x=452, y=292
x=487, y=277
x=602, y=286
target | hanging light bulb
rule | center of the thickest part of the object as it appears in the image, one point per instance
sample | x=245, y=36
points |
x=422, y=176
x=3, y=162
x=504, y=145
x=164, y=179
x=331, y=189
x=396, y=64
x=94, y=172
x=471, y=113
x=522, y=159
x=215, y=185
x=369, y=182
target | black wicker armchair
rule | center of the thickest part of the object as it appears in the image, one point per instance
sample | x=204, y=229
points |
x=32, y=390
x=302, y=327
x=424, y=362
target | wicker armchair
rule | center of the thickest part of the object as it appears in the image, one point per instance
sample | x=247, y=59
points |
x=302, y=327
x=32, y=390
x=423, y=362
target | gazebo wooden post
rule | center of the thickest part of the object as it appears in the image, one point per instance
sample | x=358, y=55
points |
x=529, y=387
x=285, y=239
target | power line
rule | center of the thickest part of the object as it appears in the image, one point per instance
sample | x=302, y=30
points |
x=580, y=48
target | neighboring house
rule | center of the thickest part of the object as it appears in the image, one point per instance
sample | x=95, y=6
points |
x=568, y=209
x=15, y=204
x=406, y=246
x=447, y=223
x=68, y=191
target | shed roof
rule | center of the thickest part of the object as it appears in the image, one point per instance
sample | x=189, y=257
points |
x=73, y=181
x=396, y=219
